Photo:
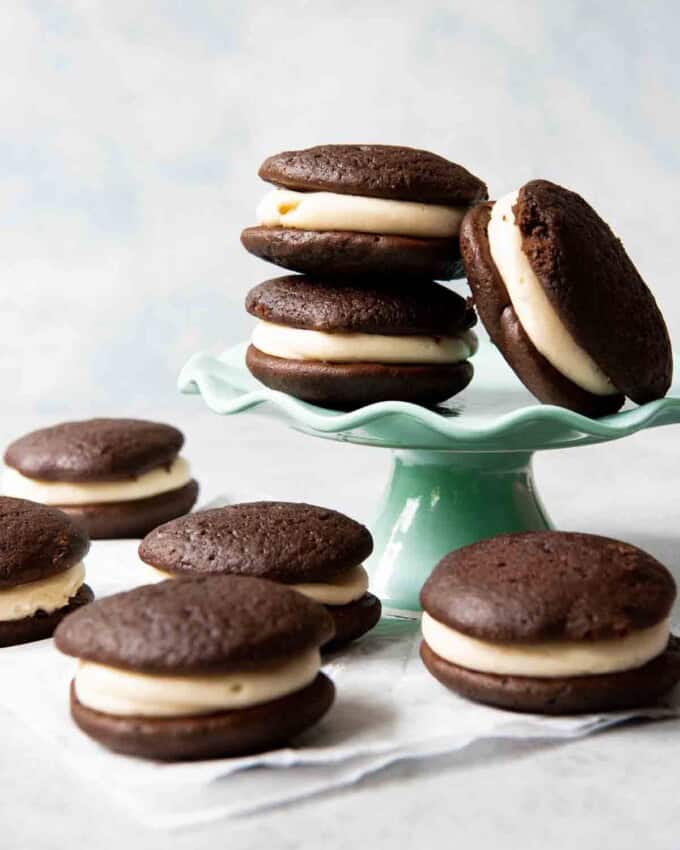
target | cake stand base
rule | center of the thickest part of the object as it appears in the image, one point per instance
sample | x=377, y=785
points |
x=461, y=473
x=437, y=501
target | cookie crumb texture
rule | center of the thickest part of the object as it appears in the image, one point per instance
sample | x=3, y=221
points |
x=196, y=625
x=319, y=304
x=37, y=541
x=288, y=542
x=94, y=450
x=379, y=171
x=549, y=586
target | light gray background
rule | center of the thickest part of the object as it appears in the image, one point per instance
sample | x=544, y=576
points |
x=131, y=133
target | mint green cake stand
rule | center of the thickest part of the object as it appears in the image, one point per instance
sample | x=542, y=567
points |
x=460, y=474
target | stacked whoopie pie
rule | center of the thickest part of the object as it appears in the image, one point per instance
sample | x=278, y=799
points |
x=118, y=477
x=315, y=551
x=370, y=227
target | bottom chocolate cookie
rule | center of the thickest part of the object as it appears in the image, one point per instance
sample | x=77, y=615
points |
x=226, y=733
x=575, y=695
x=41, y=625
x=353, y=620
x=119, y=520
x=343, y=254
x=345, y=386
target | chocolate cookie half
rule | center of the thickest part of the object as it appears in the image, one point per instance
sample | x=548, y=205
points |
x=363, y=211
x=119, y=477
x=41, y=570
x=343, y=346
x=202, y=667
x=313, y=550
x=563, y=302
x=551, y=622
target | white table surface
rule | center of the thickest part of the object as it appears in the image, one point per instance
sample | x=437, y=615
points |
x=617, y=789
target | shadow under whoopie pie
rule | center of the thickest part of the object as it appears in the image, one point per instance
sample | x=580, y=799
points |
x=551, y=622
x=344, y=346
x=563, y=302
x=42, y=576
x=313, y=550
x=356, y=211
x=198, y=668
x=119, y=477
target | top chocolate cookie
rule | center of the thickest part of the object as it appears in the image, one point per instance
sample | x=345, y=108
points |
x=94, y=450
x=196, y=625
x=37, y=542
x=548, y=586
x=285, y=541
x=379, y=171
x=597, y=291
x=402, y=308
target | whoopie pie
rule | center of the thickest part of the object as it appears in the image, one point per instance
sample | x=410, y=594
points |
x=343, y=346
x=198, y=668
x=315, y=551
x=551, y=622
x=563, y=302
x=354, y=211
x=42, y=576
x=119, y=477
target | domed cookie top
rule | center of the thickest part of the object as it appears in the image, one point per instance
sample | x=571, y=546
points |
x=36, y=542
x=400, y=309
x=379, y=171
x=548, y=586
x=284, y=541
x=94, y=450
x=192, y=625
x=564, y=303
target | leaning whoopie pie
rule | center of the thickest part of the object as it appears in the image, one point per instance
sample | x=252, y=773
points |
x=363, y=210
x=41, y=570
x=551, y=622
x=344, y=346
x=313, y=550
x=563, y=302
x=120, y=477
x=198, y=667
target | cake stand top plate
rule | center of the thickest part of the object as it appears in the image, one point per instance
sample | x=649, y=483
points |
x=494, y=414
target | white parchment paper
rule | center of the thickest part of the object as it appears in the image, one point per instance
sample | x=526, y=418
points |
x=387, y=708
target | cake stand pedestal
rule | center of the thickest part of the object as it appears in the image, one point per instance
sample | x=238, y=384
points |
x=460, y=473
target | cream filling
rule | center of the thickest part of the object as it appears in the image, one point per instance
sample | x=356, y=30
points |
x=160, y=480
x=46, y=594
x=547, y=659
x=345, y=588
x=328, y=211
x=122, y=692
x=532, y=306
x=302, y=344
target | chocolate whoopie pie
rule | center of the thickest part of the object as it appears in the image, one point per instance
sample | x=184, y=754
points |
x=41, y=570
x=316, y=551
x=551, y=622
x=363, y=210
x=344, y=346
x=196, y=668
x=563, y=302
x=120, y=477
